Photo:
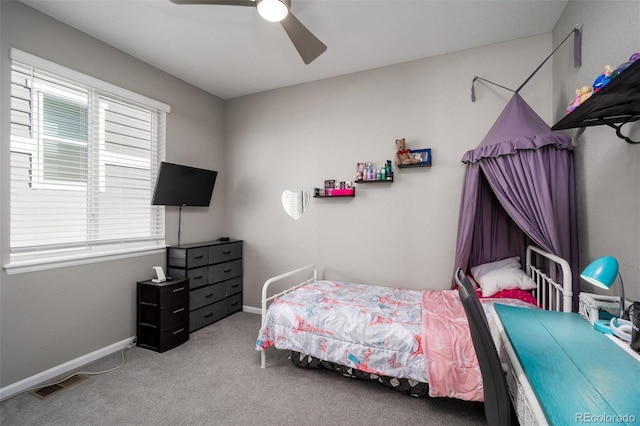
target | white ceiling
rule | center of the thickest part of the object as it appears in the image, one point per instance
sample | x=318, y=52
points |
x=230, y=51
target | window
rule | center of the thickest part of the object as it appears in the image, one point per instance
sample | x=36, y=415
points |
x=84, y=160
x=64, y=125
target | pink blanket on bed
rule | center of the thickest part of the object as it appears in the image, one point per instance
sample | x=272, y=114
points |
x=451, y=363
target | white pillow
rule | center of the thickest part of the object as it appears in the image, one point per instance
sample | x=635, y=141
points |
x=503, y=274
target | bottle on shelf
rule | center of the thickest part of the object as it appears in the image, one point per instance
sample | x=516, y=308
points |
x=389, y=170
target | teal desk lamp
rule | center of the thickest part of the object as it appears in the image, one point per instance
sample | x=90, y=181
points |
x=602, y=272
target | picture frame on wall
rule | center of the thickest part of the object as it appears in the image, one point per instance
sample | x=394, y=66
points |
x=423, y=154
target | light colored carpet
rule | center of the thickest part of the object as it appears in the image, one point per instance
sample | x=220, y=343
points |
x=215, y=379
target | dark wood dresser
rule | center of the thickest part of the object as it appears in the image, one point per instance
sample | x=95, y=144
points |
x=163, y=314
x=214, y=270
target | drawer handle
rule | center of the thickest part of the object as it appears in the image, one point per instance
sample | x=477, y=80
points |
x=208, y=295
x=234, y=303
x=198, y=277
x=175, y=290
x=178, y=331
x=209, y=315
x=235, y=285
x=228, y=270
x=178, y=310
x=226, y=252
x=199, y=257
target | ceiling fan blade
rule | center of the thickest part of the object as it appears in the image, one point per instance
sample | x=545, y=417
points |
x=227, y=2
x=307, y=45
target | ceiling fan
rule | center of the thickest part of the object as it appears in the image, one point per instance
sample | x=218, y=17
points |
x=307, y=45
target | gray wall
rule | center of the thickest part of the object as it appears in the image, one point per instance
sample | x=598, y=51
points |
x=400, y=234
x=48, y=318
x=607, y=168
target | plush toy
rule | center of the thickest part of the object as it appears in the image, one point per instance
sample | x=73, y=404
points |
x=403, y=154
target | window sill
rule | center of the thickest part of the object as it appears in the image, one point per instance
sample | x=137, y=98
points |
x=44, y=264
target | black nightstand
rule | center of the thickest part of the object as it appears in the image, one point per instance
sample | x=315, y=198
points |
x=163, y=314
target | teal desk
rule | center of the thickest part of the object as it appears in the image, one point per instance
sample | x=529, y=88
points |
x=577, y=374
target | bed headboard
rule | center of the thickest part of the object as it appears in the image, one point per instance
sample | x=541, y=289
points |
x=546, y=269
x=552, y=275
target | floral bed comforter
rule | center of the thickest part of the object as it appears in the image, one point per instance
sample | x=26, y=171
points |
x=373, y=329
x=406, y=334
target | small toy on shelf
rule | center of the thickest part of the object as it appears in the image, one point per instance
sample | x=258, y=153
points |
x=585, y=93
x=403, y=154
x=603, y=79
x=582, y=94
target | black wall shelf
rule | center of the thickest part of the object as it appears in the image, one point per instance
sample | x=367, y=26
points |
x=408, y=166
x=316, y=194
x=615, y=105
x=375, y=181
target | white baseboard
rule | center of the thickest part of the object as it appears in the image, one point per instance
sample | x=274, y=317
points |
x=251, y=310
x=37, y=379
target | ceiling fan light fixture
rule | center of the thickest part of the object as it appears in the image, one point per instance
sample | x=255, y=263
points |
x=273, y=10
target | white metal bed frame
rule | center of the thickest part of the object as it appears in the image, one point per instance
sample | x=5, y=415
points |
x=266, y=300
x=550, y=295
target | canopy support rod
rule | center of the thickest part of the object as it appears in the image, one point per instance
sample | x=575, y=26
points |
x=577, y=61
x=473, y=89
x=577, y=52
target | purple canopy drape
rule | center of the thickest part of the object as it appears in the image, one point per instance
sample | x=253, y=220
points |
x=519, y=188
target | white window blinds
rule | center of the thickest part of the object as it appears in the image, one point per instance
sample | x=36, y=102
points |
x=84, y=162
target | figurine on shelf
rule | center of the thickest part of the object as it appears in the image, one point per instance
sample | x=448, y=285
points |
x=582, y=94
x=603, y=79
x=403, y=154
x=574, y=103
x=585, y=93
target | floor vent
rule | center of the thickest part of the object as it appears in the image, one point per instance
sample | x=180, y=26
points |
x=46, y=391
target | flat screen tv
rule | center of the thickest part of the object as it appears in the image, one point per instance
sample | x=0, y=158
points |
x=179, y=185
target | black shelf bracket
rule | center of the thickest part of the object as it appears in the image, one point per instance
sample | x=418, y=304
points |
x=618, y=128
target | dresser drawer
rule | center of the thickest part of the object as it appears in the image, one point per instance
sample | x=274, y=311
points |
x=164, y=295
x=225, y=271
x=234, y=286
x=207, y=295
x=234, y=303
x=187, y=258
x=197, y=277
x=163, y=318
x=225, y=252
x=210, y=313
x=162, y=341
